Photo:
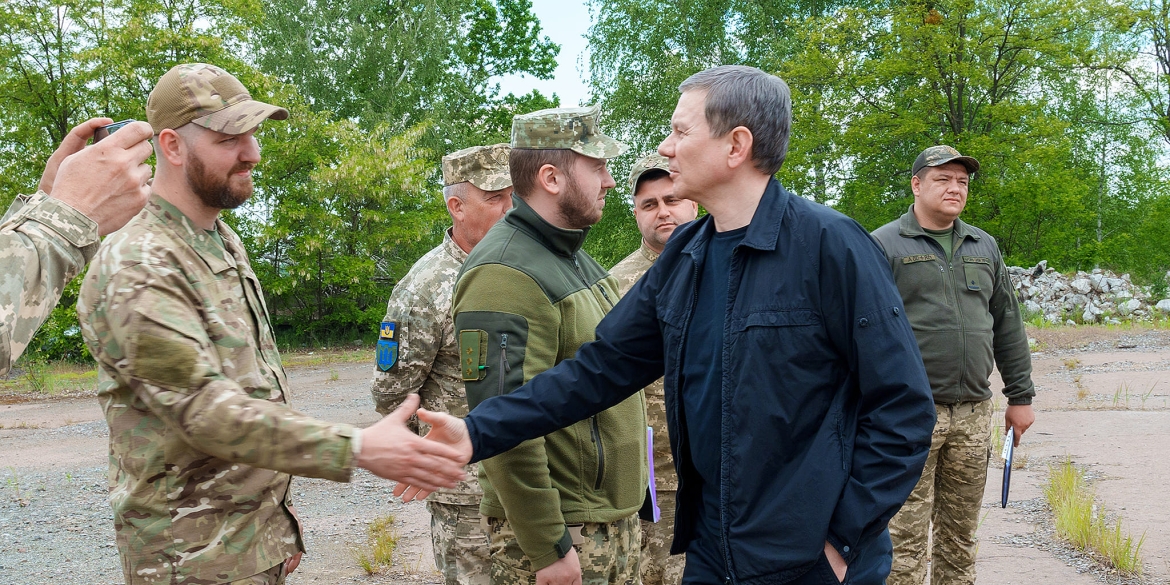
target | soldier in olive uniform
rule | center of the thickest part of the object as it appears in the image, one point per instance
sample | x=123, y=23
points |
x=657, y=212
x=561, y=508
x=418, y=352
x=202, y=436
x=966, y=318
x=48, y=237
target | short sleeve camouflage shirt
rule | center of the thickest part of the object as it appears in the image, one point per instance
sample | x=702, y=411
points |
x=428, y=355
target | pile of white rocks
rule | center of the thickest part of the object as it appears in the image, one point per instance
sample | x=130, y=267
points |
x=1099, y=296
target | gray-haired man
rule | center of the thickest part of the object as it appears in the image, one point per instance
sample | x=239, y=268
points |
x=798, y=408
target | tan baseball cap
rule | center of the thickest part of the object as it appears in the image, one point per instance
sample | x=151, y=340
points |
x=485, y=167
x=652, y=161
x=208, y=96
x=575, y=129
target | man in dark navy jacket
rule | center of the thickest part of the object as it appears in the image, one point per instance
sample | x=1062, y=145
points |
x=798, y=407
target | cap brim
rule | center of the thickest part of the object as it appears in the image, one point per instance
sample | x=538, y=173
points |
x=601, y=146
x=638, y=174
x=242, y=117
x=971, y=164
x=493, y=184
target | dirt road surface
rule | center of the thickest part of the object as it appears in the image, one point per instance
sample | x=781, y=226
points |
x=1104, y=403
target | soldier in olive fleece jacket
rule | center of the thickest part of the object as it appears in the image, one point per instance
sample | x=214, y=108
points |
x=528, y=297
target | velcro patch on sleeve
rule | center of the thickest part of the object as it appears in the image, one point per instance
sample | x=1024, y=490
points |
x=472, y=354
x=918, y=258
x=164, y=361
x=388, y=331
x=387, y=350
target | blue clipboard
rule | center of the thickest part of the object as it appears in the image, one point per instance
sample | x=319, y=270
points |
x=1008, y=451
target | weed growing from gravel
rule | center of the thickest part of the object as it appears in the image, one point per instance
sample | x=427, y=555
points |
x=378, y=551
x=1121, y=393
x=1080, y=521
x=14, y=483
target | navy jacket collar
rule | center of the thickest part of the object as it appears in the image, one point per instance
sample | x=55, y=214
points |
x=763, y=231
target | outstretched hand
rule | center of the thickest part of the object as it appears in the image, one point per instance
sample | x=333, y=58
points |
x=445, y=430
x=390, y=450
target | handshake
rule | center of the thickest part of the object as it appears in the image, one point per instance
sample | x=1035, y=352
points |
x=420, y=465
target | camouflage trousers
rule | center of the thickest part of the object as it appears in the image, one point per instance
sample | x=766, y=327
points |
x=659, y=567
x=945, y=503
x=273, y=576
x=608, y=553
x=460, y=543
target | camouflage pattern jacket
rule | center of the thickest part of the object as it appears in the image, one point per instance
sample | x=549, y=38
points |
x=627, y=272
x=202, y=437
x=44, y=243
x=428, y=353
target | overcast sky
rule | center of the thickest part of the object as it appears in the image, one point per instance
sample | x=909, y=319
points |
x=565, y=22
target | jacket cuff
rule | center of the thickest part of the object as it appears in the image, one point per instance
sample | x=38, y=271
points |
x=1019, y=400
x=56, y=215
x=556, y=553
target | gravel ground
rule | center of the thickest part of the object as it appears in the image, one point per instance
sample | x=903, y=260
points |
x=56, y=525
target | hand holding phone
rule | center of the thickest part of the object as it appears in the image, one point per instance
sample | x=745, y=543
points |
x=104, y=131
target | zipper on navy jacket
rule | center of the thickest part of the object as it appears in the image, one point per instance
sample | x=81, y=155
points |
x=595, y=435
x=504, y=365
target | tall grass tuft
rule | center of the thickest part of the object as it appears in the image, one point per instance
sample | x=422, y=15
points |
x=378, y=550
x=1080, y=521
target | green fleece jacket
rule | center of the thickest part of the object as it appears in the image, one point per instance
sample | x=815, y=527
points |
x=964, y=311
x=526, y=299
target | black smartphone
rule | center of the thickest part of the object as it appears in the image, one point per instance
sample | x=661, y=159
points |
x=104, y=131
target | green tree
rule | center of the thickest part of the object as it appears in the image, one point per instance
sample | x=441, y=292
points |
x=404, y=63
x=1003, y=81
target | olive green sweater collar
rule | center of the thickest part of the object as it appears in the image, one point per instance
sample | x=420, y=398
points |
x=560, y=241
x=908, y=227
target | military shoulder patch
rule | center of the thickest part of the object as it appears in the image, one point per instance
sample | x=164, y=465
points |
x=387, y=350
x=918, y=258
x=472, y=354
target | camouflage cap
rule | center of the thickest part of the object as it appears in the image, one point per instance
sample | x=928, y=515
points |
x=941, y=155
x=652, y=161
x=574, y=129
x=207, y=96
x=485, y=167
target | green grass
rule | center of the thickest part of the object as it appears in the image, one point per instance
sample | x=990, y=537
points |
x=378, y=551
x=326, y=357
x=1081, y=522
x=50, y=378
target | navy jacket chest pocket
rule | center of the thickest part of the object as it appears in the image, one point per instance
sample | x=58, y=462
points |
x=780, y=335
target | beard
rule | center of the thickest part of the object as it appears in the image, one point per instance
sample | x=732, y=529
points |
x=578, y=209
x=218, y=191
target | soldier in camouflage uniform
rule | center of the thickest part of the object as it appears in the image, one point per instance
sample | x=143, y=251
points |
x=657, y=212
x=202, y=436
x=966, y=322
x=46, y=238
x=561, y=507
x=419, y=353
